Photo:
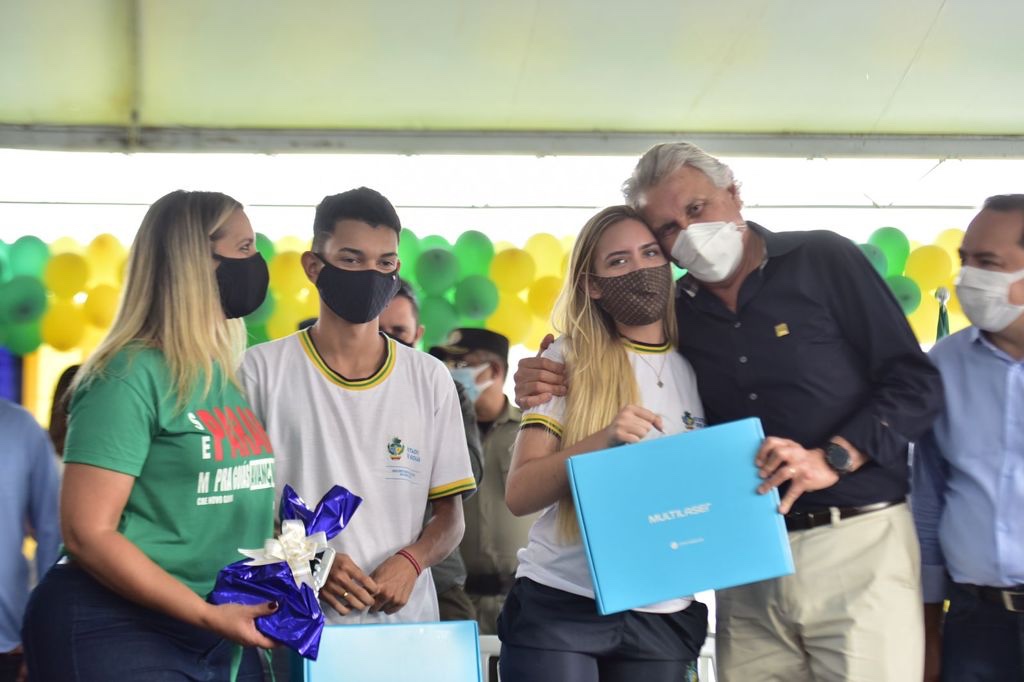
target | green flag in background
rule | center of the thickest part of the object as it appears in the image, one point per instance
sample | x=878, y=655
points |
x=942, y=328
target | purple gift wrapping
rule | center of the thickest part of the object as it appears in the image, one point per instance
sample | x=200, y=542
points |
x=283, y=570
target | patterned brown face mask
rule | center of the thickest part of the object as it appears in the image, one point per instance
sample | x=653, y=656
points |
x=636, y=298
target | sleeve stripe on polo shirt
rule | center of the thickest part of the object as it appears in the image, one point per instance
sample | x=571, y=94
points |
x=451, y=488
x=541, y=421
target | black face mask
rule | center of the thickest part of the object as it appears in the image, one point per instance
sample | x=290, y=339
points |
x=242, y=283
x=356, y=296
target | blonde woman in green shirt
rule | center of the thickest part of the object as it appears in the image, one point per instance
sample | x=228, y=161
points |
x=167, y=470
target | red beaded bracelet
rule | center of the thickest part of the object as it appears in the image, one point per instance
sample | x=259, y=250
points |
x=412, y=560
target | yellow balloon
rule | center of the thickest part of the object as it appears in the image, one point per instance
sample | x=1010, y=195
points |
x=286, y=274
x=542, y=295
x=106, y=256
x=568, y=241
x=66, y=274
x=500, y=246
x=308, y=302
x=63, y=326
x=101, y=305
x=292, y=243
x=950, y=240
x=512, y=270
x=538, y=330
x=284, y=321
x=547, y=253
x=66, y=245
x=929, y=266
x=512, y=318
x=925, y=320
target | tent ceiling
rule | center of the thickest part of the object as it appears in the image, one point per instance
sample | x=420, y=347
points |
x=872, y=67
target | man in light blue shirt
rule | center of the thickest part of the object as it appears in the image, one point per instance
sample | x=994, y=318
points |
x=29, y=489
x=968, y=471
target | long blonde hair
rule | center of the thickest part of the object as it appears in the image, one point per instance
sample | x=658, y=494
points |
x=170, y=299
x=601, y=378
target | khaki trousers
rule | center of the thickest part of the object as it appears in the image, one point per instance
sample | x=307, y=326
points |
x=852, y=611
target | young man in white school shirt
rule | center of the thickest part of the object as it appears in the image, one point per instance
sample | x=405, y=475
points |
x=344, y=404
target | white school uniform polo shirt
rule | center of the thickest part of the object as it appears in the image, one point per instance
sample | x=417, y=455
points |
x=668, y=387
x=396, y=439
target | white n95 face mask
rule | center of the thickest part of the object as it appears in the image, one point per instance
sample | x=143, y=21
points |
x=985, y=297
x=710, y=251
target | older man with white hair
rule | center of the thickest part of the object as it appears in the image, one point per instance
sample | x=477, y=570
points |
x=796, y=328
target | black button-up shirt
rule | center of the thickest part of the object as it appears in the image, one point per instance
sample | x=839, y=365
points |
x=818, y=348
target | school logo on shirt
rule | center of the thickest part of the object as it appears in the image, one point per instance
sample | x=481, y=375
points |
x=691, y=422
x=396, y=448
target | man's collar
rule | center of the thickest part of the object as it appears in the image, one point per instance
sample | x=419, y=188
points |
x=978, y=337
x=776, y=243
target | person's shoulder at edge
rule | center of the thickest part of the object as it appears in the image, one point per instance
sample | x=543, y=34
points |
x=951, y=347
x=16, y=414
x=264, y=353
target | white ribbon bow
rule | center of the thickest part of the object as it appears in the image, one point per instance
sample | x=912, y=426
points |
x=294, y=547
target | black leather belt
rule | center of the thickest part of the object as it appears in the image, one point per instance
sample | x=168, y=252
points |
x=1010, y=598
x=805, y=520
x=489, y=584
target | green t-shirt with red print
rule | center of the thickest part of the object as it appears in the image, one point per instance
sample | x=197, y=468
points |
x=204, y=473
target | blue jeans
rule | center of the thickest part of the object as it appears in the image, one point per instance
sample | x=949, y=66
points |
x=76, y=630
x=981, y=642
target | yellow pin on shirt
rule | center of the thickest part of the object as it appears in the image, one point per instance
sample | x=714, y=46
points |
x=781, y=330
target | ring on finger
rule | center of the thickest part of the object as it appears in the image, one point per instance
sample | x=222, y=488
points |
x=792, y=471
x=344, y=595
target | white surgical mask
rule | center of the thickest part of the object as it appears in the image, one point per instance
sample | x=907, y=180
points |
x=466, y=377
x=985, y=297
x=710, y=251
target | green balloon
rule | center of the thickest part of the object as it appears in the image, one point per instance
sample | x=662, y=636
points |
x=434, y=241
x=28, y=256
x=409, y=249
x=906, y=291
x=260, y=316
x=22, y=300
x=438, y=318
x=876, y=257
x=265, y=246
x=474, y=252
x=896, y=247
x=255, y=333
x=22, y=339
x=5, y=261
x=436, y=271
x=476, y=297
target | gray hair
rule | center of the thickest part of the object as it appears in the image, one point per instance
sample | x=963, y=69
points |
x=662, y=160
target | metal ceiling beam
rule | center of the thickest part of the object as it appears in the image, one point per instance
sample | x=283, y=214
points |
x=280, y=141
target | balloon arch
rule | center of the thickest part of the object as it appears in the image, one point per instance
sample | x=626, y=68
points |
x=65, y=294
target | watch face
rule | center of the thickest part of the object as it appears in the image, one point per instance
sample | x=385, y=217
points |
x=837, y=457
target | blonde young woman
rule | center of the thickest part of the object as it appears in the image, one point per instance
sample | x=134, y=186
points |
x=167, y=471
x=626, y=384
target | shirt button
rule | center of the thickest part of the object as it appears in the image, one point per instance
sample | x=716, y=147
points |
x=743, y=359
x=737, y=325
x=752, y=396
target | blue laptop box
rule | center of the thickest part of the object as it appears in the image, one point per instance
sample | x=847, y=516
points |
x=425, y=652
x=672, y=516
